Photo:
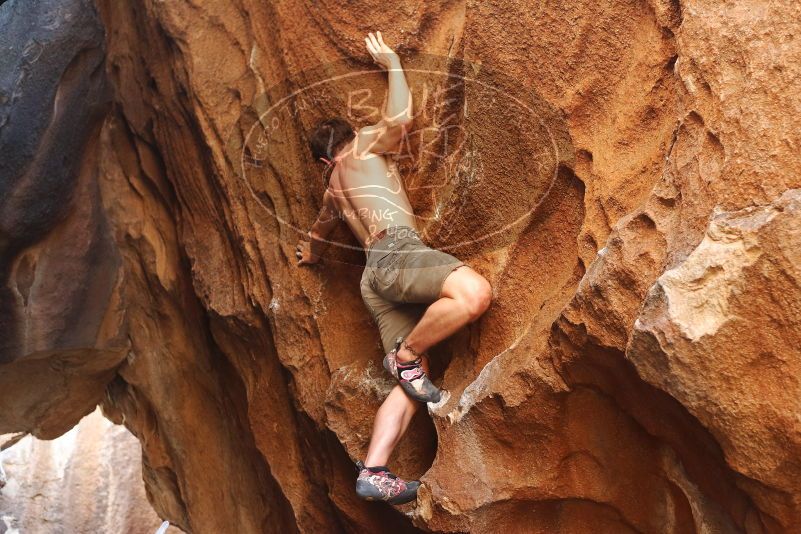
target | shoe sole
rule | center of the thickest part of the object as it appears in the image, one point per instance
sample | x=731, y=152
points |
x=368, y=492
x=407, y=496
x=432, y=397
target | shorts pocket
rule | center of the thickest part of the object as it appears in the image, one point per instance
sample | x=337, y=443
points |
x=386, y=270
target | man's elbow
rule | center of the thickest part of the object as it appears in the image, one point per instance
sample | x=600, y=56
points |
x=404, y=121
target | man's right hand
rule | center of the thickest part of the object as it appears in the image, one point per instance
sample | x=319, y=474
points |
x=304, y=254
x=383, y=55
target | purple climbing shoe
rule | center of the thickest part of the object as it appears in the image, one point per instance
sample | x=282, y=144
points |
x=379, y=484
x=411, y=376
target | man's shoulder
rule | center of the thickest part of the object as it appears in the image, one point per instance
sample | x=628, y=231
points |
x=361, y=162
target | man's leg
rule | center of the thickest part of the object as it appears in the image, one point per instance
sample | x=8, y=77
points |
x=375, y=481
x=391, y=422
x=465, y=296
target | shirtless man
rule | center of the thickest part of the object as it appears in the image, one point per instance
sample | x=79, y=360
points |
x=417, y=296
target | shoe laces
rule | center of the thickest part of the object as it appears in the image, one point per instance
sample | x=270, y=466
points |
x=360, y=467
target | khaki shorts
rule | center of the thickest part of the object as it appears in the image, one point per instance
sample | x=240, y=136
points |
x=401, y=277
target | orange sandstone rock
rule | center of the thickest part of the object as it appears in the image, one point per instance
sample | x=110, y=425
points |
x=618, y=171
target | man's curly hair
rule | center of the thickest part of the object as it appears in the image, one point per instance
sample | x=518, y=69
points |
x=329, y=136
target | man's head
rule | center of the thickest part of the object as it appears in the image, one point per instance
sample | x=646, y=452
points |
x=329, y=136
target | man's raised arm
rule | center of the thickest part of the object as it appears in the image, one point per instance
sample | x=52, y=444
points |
x=386, y=135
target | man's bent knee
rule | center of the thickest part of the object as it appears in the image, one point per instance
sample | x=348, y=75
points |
x=469, y=288
x=478, y=297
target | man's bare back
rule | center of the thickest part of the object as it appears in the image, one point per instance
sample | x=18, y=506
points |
x=366, y=190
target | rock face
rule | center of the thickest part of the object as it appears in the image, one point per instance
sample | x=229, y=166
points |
x=712, y=337
x=625, y=175
x=59, y=266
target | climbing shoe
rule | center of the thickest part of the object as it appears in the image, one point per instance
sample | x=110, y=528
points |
x=379, y=484
x=411, y=376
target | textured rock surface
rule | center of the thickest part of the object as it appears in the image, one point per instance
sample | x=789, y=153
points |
x=637, y=370
x=710, y=334
x=86, y=481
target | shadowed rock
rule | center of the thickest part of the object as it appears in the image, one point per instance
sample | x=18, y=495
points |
x=58, y=263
